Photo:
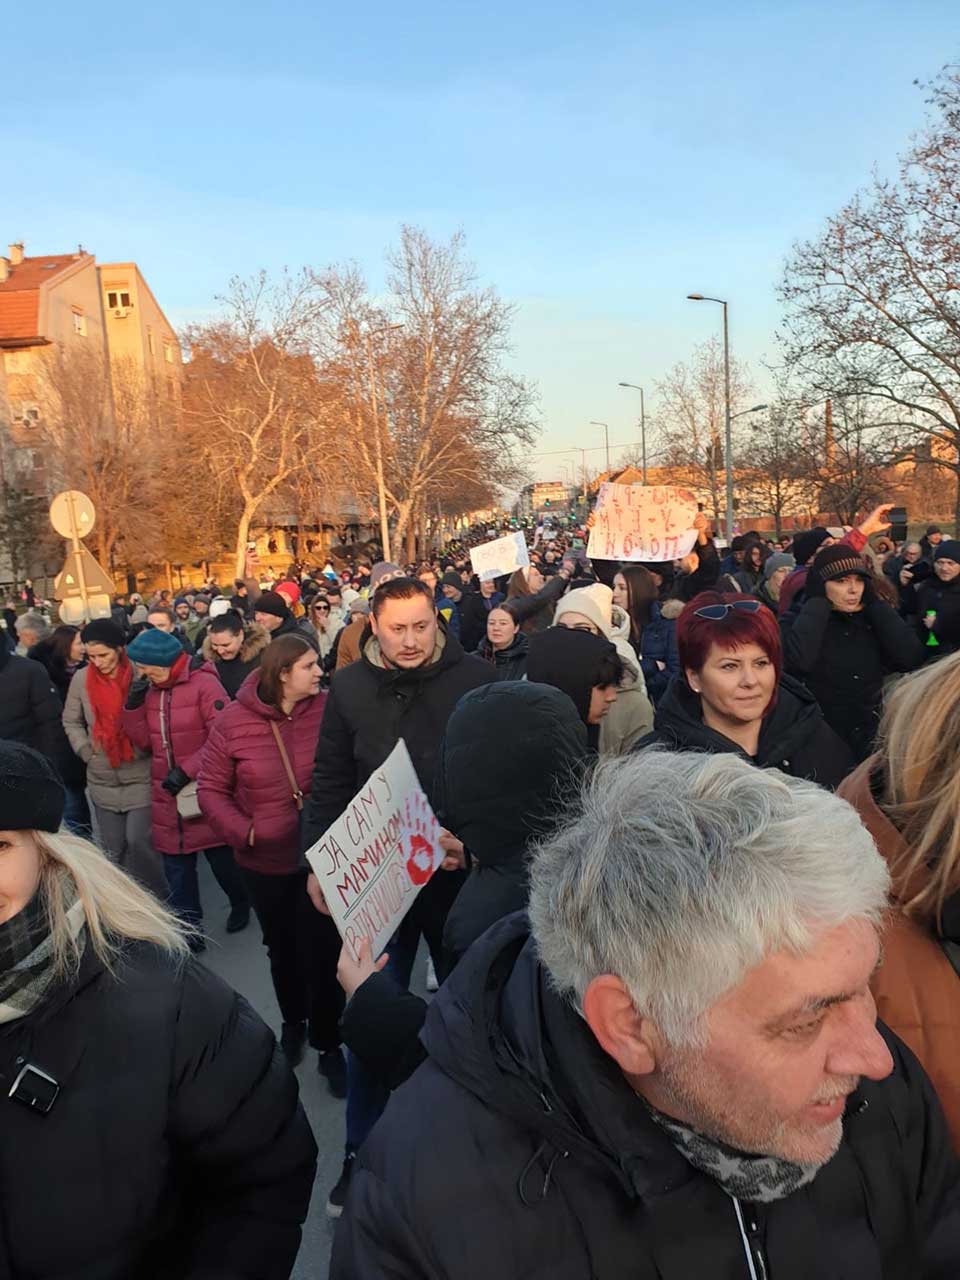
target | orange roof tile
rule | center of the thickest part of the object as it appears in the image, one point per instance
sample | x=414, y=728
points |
x=20, y=293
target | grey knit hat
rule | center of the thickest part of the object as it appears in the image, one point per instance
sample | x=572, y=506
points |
x=779, y=560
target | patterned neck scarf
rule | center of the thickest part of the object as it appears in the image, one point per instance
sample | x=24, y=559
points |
x=26, y=952
x=757, y=1179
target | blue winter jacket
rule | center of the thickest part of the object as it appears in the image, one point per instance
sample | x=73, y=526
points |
x=658, y=643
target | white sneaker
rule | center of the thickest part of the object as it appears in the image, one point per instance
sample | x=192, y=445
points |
x=432, y=983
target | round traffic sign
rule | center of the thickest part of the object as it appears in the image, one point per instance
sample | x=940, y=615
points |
x=72, y=513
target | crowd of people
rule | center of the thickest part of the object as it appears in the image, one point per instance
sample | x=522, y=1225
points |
x=685, y=809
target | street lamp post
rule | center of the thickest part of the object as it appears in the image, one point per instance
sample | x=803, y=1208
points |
x=728, y=442
x=378, y=448
x=643, y=426
x=606, y=438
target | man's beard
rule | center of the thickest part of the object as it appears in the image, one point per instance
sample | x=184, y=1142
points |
x=693, y=1097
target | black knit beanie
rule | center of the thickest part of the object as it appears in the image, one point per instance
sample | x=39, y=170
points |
x=31, y=795
x=949, y=550
x=273, y=603
x=838, y=561
x=806, y=545
x=103, y=631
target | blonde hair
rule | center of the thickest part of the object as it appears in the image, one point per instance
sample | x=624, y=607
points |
x=115, y=906
x=920, y=745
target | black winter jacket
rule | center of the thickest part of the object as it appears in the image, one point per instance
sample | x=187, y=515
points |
x=518, y=1150
x=369, y=708
x=30, y=707
x=843, y=659
x=176, y=1147
x=944, y=599
x=473, y=620
x=508, y=664
x=794, y=737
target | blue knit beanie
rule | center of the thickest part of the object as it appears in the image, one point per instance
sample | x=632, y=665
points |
x=154, y=648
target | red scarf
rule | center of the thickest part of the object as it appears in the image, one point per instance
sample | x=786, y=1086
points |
x=174, y=675
x=107, y=696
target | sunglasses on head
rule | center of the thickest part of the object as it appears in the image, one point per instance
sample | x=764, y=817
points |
x=717, y=612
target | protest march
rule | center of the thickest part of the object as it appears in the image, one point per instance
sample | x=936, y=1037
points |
x=480, y=717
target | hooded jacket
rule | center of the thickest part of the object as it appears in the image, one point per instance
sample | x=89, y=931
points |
x=244, y=787
x=658, y=644
x=184, y=715
x=794, y=738
x=518, y=1149
x=176, y=1146
x=567, y=659
x=916, y=989
x=511, y=756
x=232, y=672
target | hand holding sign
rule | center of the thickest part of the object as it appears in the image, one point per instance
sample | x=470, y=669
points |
x=643, y=522
x=371, y=864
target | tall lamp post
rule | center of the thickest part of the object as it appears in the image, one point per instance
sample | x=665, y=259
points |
x=606, y=437
x=378, y=448
x=643, y=426
x=728, y=441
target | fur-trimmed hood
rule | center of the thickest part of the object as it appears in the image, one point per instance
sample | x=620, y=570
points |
x=255, y=640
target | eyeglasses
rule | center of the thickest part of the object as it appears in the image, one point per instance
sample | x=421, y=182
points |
x=321, y=608
x=717, y=612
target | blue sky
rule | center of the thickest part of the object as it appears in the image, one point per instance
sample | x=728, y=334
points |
x=603, y=160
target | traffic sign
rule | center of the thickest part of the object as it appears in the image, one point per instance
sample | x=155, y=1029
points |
x=82, y=575
x=72, y=514
x=73, y=612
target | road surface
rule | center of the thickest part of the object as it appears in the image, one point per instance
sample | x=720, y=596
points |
x=241, y=960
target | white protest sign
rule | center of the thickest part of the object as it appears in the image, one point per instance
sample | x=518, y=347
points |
x=502, y=556
x=379, y=854
x=643, y=522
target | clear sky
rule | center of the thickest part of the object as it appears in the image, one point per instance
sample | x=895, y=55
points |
x=603, y=159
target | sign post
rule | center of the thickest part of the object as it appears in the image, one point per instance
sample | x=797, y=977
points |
x=84, y=587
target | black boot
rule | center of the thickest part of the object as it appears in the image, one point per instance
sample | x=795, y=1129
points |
x=238, y=918
x=338, y=1196
x=333, y=1068
x=293, y=1041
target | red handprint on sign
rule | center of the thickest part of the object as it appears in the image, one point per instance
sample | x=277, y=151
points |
x=419, y=861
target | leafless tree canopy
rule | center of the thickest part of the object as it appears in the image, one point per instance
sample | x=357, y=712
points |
x=690, y=420
x=871, y=303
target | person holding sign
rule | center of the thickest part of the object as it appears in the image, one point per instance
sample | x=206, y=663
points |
x=409, y=678
x=255, y=774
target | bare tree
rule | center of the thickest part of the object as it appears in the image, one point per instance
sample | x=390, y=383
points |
x=691, y=420
x=101, y=427
x=855, y=464
x=424, y=380
x=257, y=409
x=871, y=307
x=778, y=473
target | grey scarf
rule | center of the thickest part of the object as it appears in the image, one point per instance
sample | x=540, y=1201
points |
x=757, y=1179
x=26, y=952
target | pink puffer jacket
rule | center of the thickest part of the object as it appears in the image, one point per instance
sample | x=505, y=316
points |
x=189, y=710
x=243, y=782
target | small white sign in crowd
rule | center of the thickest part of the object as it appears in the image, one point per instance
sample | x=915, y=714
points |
x=502, y=556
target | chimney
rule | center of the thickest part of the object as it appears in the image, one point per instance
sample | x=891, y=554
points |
x=4, y=269
x=16, y=254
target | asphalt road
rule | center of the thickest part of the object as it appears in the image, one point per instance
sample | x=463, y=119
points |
x=241, y=960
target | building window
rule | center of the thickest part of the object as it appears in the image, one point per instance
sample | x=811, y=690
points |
x=150, y=342
x=168, y=352
x=79, y=323
x=117, y=298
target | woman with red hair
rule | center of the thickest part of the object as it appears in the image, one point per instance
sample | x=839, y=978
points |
x=732, y=694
